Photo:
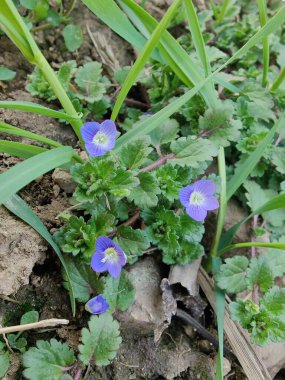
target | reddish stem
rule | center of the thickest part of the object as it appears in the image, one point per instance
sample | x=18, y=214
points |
x=157, y=163
x=127, y=223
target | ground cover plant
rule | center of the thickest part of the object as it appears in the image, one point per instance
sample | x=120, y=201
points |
x=164, y=145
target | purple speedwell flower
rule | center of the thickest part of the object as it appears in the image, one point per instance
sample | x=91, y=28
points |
x=198, y=199
x=99, y=138
x=108, y=256
x=97, y=305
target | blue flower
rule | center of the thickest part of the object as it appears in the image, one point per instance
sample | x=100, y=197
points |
x=99, y=138
x=198, y=199
x=108, y=256
x=97, y=305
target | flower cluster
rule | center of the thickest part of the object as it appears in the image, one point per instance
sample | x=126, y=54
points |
x=198, y=198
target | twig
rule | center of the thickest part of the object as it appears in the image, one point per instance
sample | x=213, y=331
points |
x=36, y=325
x=127, y=223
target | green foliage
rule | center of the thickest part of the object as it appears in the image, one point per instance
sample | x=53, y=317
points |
x=119, y=292
x=259, y=273
x=191, y=151
x=82, y=277
x=48, y=360
x=266, y=321
x=4, y=363
x=101, y=341
x=177, y=236
x=145, y=195
x=134, y=154
x=86, y=86
x=73, y=37
x=6, y=74
x=100, y=177
x=220, y=125
x=133, y=242
x=231, y=276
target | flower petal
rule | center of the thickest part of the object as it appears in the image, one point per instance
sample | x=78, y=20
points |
x=205, y=186
x=122, y=258
x=196, y=212
x=211, y=203
x=108, y=127
x=97, y=305
x=96, y=263
x=89, y=130
x=114, y=268
x=184, y=195
x=95, y=150
x=103, y=243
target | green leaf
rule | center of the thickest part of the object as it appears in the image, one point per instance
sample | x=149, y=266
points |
x=83, y=279
x=243, y=312
x=20, y=175
x=119, y=292
x=259, y=273
x=73, y=37
x=171, y=179
x=134, y=154
x=18, y=207
x=10, y=129
x=145, y=195
x=101, y=341
x=278, y=159
x=191, y=151
x=48, y=360
x=29, y=317
x=166, y=133
x=6, y=74
x=89, y=78
x=19, y=149
x=36, y=108
x=133, y=242
x=274, y=301
x=276, y=258
x=29, y=4
x=231, y=276
x=244, y=169
x=4, y=363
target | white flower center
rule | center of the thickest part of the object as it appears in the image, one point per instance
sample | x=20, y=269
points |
x=196, y=198
x=100, y=138
x=111, y=255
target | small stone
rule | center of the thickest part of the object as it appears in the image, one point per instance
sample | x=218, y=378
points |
x=205, y=346
x=63, y=180
x=146, y=314
x=56, y=190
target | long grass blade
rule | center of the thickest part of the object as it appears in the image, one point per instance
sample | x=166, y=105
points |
x=263, y=20
x=11, y=130
x=19, y=149
x=149, y=124
x=37, y=108
x=20, y=175
x=252, y=244
x=17, y=206
x=144, y=56
x=278, y=80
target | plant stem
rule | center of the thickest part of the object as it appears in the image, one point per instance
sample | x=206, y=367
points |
x=223, y=202
x=279, y=79
x=157, y=163
x=263, y=20
x=59, y=91
x=251, y=244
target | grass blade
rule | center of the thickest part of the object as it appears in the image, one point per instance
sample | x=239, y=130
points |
x=176, y=57
x=263, y=19
x=11, y=130
x=278, y=80
x=223, y=10
x=149, y=124
x=20, y=175
x=19, y=149
x=252, y=244
x=17, y=206
x=243, y=170
x=36, y=108
x=274, y=204
x=143, y=57
x=197, y=36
